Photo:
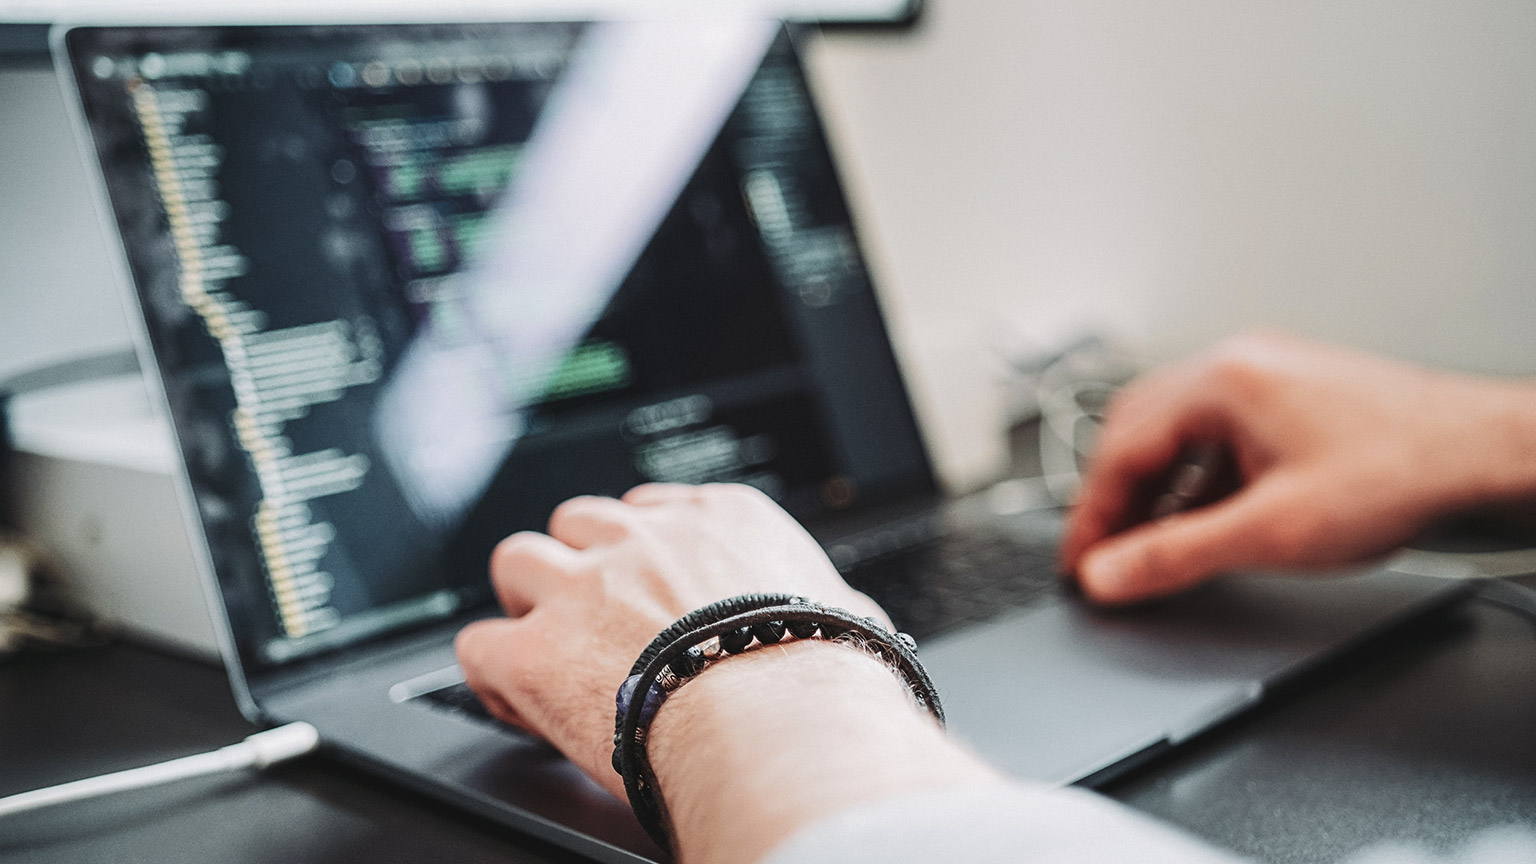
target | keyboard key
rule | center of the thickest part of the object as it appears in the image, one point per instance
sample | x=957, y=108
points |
x=955, y=579
x=459, y=699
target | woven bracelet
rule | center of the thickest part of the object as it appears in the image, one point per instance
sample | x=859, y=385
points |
x=701, y=638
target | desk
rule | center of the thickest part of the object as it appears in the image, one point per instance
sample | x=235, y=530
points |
x=1428, y=736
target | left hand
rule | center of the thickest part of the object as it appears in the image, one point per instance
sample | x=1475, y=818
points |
x=585, y=599
x=1340, y=456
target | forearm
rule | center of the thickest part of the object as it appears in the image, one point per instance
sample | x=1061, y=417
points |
x=768, y=742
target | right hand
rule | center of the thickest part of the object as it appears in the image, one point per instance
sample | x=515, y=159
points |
x=1341, y=457
x=585, y=599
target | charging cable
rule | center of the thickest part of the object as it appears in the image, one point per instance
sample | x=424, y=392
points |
x=257, y=751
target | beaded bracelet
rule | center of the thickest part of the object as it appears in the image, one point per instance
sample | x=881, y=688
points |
x=705, y=636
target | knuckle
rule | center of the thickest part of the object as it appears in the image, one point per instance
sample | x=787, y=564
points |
x=643, y=492
x=745, y=496
x=705, y=493
x=472, y=647
x=569, y=509
x=1248, y=362
x=480, y=649
x=466, y=643
x=1237, y=371
x=1254, y=340
x=660, y=493
x=591, y=509
x=704, y=499
x=516, y=548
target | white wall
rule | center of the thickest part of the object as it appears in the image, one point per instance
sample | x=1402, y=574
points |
x=1360, y=170
x=57, y=295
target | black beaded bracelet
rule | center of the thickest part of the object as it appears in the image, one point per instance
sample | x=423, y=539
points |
x=699, y=639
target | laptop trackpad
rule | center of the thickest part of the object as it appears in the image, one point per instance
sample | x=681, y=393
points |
x=1060, y=691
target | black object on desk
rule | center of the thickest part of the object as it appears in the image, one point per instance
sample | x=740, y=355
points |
x=1425, y=737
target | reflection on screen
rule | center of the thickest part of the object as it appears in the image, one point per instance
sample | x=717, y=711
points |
x=617, y=139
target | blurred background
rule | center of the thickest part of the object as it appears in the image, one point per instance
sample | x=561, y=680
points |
x=1163, y=174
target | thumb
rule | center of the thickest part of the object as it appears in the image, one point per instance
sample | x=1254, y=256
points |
x=1168, y=555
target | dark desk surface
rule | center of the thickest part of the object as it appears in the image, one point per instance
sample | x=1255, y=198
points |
x=1427, y=736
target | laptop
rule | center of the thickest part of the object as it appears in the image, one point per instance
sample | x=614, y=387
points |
x=405, y=288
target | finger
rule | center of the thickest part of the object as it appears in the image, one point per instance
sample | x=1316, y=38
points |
x=651, y=494
x=1146, y=428
x=1135, y=448
x=1254, y=528
x=527, y=567
x=588, y=520
x=484, y=650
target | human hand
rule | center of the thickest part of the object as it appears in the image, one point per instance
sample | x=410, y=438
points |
x=1340, y=457
x=585, y=599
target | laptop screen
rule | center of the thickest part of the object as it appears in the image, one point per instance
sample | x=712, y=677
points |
x=409, y=287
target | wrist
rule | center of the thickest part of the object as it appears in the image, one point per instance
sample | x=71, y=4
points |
x=1493, y=436
x=767, y=742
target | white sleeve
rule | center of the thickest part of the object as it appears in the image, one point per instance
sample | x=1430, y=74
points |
x=996, y=823
x=1004, y=823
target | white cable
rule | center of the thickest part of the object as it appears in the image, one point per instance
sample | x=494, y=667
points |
x=257, y=751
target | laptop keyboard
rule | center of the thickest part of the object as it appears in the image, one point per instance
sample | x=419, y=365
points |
x=927, y=588
x=459, y=699
x=956, y=579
